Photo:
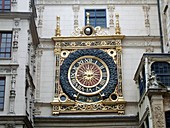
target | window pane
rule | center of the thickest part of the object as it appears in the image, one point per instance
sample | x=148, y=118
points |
x=2, y=81
x=3, y=45
x=8, y=49
x=1, y=100
x=7, y=2
x=3, y=35
x=2, y=55
x=100, y=21
x=3, y=40
x=1, y=106
x=92, y=20
x=2, y=50
x=100, y=13
x=2, y=88
x=1, y=94
x=92, y=13
x=7, y=7
x=8, y=44
x=8, y=39
x=8, y=55
x=9, y=35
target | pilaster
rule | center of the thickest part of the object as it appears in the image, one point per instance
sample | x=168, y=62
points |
x=40, y=10
x=111, y=9
x=76, y=9
x=157, y=108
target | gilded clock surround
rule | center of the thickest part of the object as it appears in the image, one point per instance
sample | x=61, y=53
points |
x=109, y=44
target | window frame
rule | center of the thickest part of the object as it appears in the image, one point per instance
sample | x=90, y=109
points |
x=3, y=5
x=3, y=102
x=6, y=46
x=96, y=17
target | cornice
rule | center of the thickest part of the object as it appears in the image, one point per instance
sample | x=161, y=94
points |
x=18, y=119
x=12, y=15
x=97, y=2
x=89, y=118
x=87, y=38
x=9, y=65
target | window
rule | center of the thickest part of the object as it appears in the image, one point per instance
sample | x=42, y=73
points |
x=142, y=83
x=2, y=92
x=5, y=5
x=97, y=17
x=162, y=70
x=5, y=44
x=167, y=117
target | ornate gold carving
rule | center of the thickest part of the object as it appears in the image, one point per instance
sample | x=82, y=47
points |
x=98, y=39
x=65, y=53
x=116, y=105
x=58, y=27
x=117, y=29
x=88, y=18
x=104, y=106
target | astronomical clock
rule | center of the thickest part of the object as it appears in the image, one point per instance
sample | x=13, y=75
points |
x=88, y=71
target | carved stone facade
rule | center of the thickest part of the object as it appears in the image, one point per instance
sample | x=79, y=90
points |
x=34, y=74
x=158, y=111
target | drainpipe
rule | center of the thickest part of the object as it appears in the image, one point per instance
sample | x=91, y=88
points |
x=160, y=26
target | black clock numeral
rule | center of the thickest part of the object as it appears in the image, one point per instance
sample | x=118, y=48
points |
x=95, y=62
x=88, y=60
x=104, y=74
x=73, y=81
x=97, y=88
x=80, y=62
x=102, y=82
x=74, y=68
x=101, y=67
x=72, y=75
x=89, y=90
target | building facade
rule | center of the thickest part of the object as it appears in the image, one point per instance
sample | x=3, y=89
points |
x=84, y=63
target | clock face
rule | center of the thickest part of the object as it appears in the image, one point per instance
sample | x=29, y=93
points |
x=88, y=75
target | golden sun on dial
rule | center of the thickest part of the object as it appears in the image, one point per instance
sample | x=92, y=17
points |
x=88, y=74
